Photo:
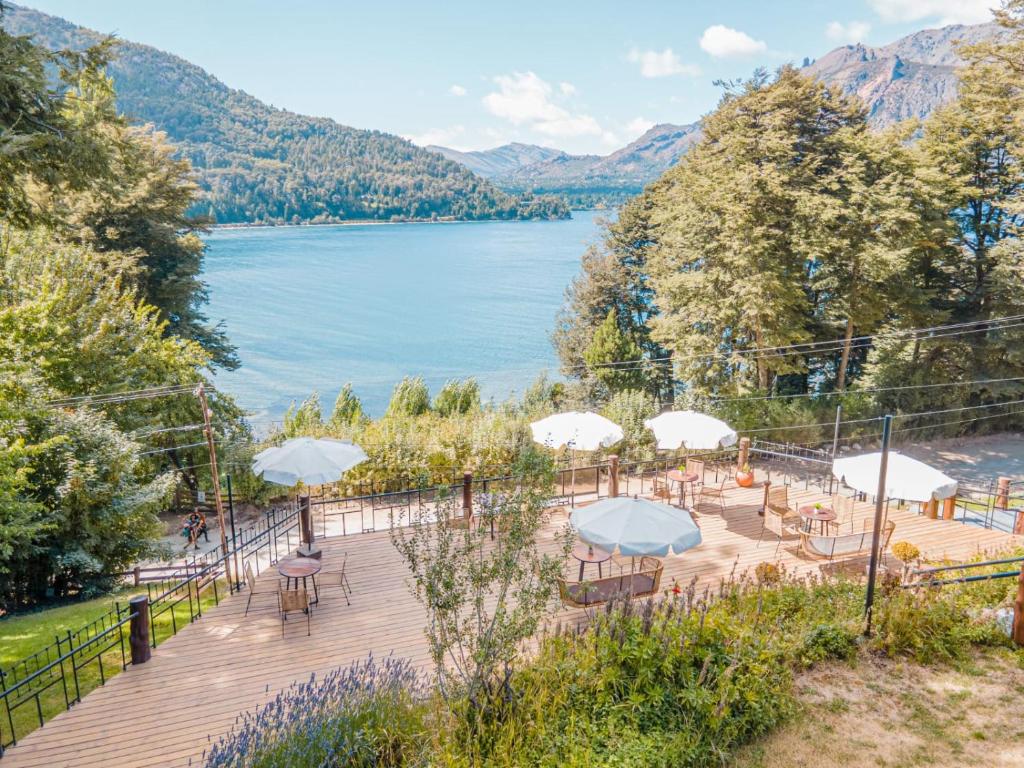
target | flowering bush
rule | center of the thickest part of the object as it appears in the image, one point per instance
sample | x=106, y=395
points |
x=906, y=551
x=368, y=714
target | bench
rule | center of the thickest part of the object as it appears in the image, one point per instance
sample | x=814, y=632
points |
x=642, y=582
x=817, y=545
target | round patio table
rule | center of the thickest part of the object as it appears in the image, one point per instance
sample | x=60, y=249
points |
x=678, y=476
x=295, y=568
x=587, y=553
x=821, y=515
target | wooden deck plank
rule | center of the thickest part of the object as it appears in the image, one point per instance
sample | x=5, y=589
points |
x=198, y=682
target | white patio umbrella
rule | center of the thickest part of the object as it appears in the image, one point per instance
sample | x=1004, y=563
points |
x=308, y=460
x=905, y=478
x=691, y=430
x=636, y=527
x=579, y=430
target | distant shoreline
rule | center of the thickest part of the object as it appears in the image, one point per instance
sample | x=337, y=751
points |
x=365, y=222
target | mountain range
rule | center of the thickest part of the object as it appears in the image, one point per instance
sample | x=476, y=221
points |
x=905, y=79
x=258, y=164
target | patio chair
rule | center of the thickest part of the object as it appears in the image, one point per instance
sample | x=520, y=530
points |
x=844, y=507
x=777, y=499
x=338, y=579
x=713, y=491
x=775, y=522
x=250, y=579
x=291, y=600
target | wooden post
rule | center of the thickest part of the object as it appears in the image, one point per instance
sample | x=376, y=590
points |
x=931, y=508
x=1018, y=611
x=743, y=456
x=138, y=634
x=613, y=475
x=1003, y=493
x=208, y=430
x=137, y=575
x=467, y=495
x=949, y=508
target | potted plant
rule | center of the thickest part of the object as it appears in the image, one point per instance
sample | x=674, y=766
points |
x=745, y=476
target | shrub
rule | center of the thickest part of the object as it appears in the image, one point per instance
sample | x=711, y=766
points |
x=458, y=398
x=906, y=551
x=828, y=641
x=410, y=398
x=767, y=573
x=368, y=714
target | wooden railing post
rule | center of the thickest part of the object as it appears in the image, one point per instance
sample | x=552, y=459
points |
x=1018, y=610
x=137, y=575
x=743, y=454
x=949, y=508
x=138, y=629
x=1002, y=493
x=467, y=494
x=613, y=475
x=931, y=508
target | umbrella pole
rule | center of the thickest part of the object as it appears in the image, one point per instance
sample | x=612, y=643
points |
x=572, y=478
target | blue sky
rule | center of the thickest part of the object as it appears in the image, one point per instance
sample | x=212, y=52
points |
x=579, y=76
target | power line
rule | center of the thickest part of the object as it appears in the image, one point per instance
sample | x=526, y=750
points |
x=127, y=396
x=837, y=393
x=186, y=428
x=957, y=410
x=832, y=345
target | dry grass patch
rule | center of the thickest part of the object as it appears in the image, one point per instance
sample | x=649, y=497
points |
x=895, y=714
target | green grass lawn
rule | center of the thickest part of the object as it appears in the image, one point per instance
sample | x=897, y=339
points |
x=24, y=634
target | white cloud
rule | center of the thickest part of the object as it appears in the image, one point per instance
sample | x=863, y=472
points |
x=725, y=42
x=944, y=11
x=853, y=32
x=567, y=89
x=447, y=137
x=661, y=63
x=457, y=90
x=638, y=126
x=524, y=99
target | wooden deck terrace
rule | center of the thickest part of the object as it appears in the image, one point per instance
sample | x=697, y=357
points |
x=168, y=711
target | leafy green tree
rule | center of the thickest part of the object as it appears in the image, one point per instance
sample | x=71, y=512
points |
x=735, y=218
x=629, y=408
x=39, y=144
x=971, y=154
x=615, y=276
x=348, y=409
x=410, y=398
x=457, y=397
x=306, y=420
x=612, y=356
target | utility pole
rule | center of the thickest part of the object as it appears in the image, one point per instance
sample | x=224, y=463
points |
x=883, y=467
x=218, y=502
x=835, y=444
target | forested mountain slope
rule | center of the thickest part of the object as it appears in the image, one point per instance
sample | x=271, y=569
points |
x=258, y=164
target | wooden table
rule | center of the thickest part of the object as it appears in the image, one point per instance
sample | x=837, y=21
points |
x=678, y=476
x=812, y=514
x=295, y=568
x=587, y=553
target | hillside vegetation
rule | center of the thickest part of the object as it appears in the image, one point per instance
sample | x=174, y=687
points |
x=258, y=164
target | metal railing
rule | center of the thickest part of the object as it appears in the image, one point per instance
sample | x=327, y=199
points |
x=51, y=679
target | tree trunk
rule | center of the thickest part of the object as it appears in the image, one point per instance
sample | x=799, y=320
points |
x=844, y=361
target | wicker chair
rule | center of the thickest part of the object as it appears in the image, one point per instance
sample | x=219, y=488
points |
x=713, y=491
x=338, y=579
x=777, y=499
x=250, y=579
x=847, y=544
x=775, y=522
x=291, y=600
x=844, y=507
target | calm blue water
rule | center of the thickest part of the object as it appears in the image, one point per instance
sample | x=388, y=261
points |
x=312, y=308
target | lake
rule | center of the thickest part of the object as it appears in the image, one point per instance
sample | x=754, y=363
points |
x=311, y=308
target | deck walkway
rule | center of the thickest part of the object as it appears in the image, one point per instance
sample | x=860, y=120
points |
x=168, y=711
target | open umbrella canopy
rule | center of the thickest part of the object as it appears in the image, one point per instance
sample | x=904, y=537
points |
x=905, y=478
x=580, y=430
x=691, y=430
x=307, y=460
x=636, y=527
